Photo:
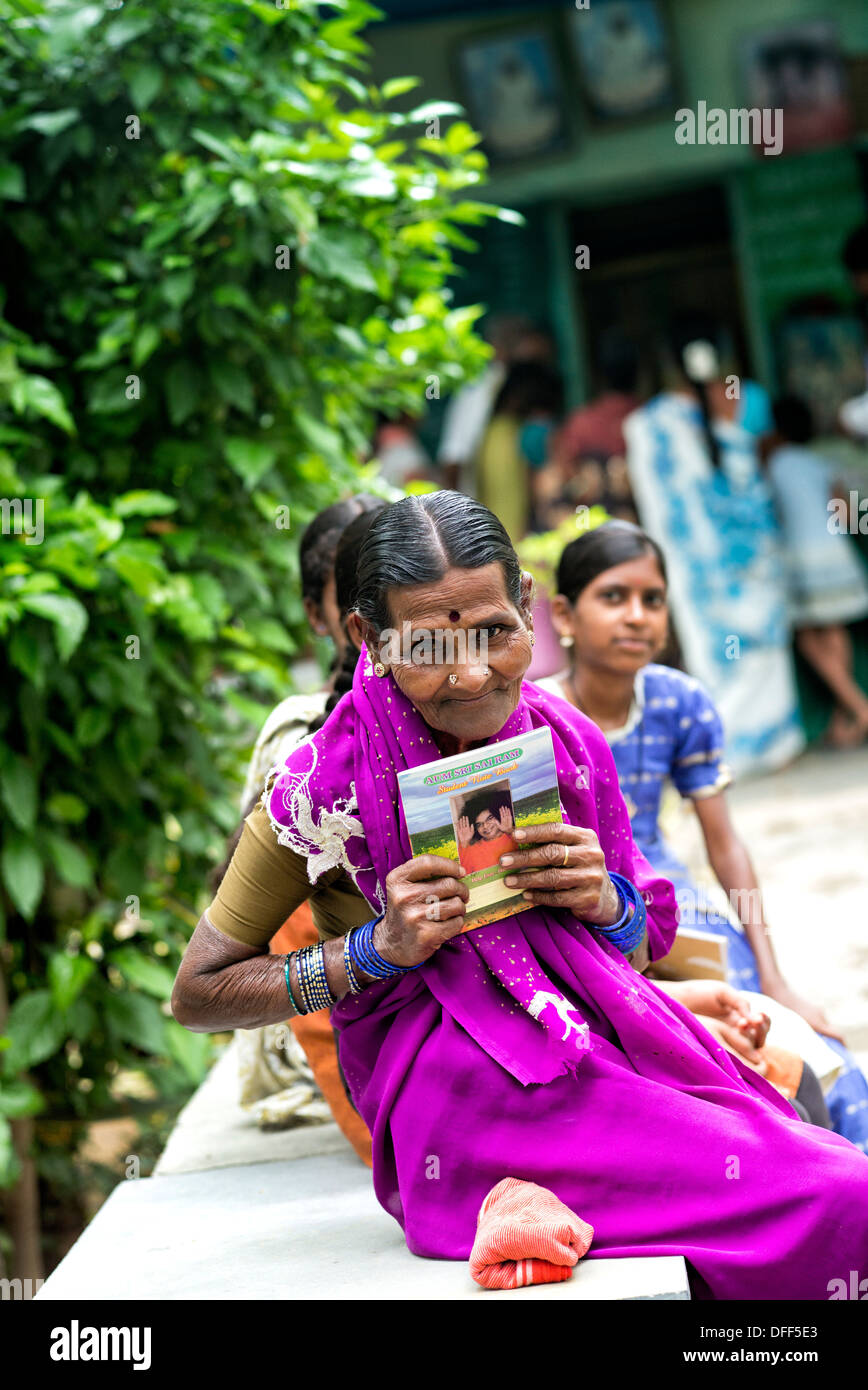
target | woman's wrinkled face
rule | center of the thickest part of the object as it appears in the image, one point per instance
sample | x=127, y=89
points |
x=464, y=625
x=619, y=622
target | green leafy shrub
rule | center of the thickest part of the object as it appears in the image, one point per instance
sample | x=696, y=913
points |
x=223, y=251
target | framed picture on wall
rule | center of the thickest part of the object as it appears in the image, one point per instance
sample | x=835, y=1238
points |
x=799, y=70
x=821, y=359
x=513, y=89
x=623, y=49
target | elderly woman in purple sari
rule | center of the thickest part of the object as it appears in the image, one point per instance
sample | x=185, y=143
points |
x=532, y=1048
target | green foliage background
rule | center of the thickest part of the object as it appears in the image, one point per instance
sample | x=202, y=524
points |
x=167, y=392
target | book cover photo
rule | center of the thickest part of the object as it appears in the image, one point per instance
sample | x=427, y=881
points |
x=466, y=807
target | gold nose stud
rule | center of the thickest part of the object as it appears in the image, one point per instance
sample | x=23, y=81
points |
x=453, y=679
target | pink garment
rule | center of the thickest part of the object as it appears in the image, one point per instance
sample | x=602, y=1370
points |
x=594, y=431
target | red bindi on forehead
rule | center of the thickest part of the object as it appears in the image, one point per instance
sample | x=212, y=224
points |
x=454, y=615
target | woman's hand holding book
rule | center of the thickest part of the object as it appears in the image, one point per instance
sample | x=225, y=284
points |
x=425, y=906
x=563, y=866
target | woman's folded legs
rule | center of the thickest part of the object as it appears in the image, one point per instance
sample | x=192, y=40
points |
x=760, y=1205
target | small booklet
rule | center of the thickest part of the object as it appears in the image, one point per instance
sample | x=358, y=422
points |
x=466, y=807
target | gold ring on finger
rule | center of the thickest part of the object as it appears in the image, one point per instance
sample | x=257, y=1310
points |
x=566, y=856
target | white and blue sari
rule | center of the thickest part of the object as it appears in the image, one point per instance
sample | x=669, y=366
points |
x=727, y=584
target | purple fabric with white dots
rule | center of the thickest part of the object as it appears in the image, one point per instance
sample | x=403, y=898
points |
x=530, y=1048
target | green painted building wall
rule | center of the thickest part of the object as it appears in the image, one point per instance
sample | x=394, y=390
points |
x=785, y=213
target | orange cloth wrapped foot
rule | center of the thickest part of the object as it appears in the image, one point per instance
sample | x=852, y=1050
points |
x=525, y=1235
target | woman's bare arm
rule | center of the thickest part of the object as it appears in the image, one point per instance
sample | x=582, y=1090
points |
x=640, y=959
x=223, y=984
x=735, y=873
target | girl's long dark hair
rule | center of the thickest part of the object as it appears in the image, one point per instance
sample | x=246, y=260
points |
x=690, y=328
x=416, y=540
x=346, y=584
x=319, y=542
x=594, y=552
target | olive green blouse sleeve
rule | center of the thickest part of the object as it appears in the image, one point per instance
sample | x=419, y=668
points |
x=264, y=884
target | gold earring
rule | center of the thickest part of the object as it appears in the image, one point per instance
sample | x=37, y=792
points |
x=532, y=639
x=379, y=668
x=567, y=640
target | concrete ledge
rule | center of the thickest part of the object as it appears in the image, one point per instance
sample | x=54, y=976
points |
x=212, y=1131
x=310, y=1228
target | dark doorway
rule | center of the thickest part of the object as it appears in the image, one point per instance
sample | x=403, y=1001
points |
x=651, y=258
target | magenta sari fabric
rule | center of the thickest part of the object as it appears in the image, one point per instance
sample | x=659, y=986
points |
x=531, y=1049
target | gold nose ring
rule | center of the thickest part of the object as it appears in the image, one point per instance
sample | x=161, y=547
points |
x=453, y=679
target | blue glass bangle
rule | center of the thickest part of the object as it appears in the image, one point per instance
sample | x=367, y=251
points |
x=627, y=933
x=366, y=957
x=626, y=904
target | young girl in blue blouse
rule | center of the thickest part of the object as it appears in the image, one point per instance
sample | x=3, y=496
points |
x=611, y=612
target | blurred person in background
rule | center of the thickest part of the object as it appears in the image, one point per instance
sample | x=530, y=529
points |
x=611, y=611
x=828, y=582
x=398, y=451
x=596, y=428
x=515, y=443
x=288, y=721
x=514, y=338
x=588, y=452
x=700, y=493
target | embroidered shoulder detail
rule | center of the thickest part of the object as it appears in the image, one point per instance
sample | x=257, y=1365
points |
x=322, y=842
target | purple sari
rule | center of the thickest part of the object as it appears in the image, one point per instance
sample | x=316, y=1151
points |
x=531, y=1049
